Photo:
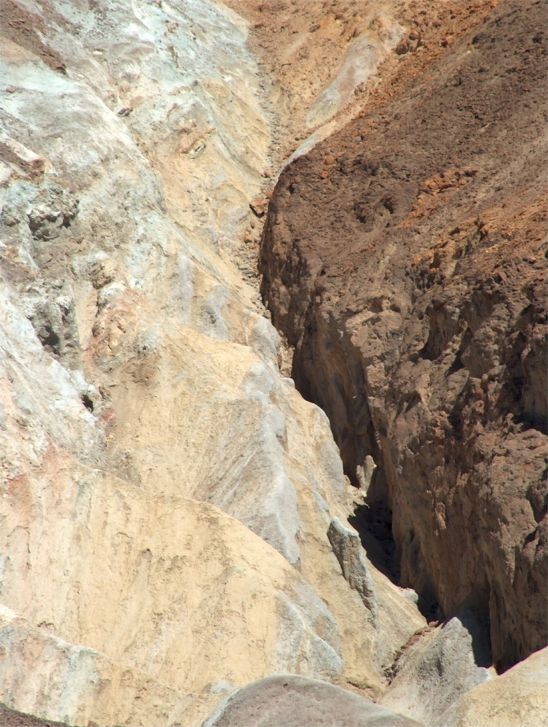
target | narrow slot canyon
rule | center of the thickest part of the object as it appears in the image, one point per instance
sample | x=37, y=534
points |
x=273, y=363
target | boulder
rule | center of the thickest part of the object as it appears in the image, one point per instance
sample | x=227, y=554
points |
x=517, y=698
x=297, y=702
x=432, y=674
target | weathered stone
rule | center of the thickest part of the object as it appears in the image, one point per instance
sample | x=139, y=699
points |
x=166, y=492
x=296, y=702
x=347, y=547
x=258, y=206
x=433, y=673
x=51, y=211
x=13, y=151
x=163, y=594
x=411, y=283
x=517, y=698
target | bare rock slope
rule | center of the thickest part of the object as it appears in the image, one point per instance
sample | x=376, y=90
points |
x=166, y=492
x=174, y=514
x=404, y=259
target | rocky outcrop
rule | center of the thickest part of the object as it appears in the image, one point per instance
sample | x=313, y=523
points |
x=350, y=554
x=404, y=259
x=435, y=671
x=166, y=492
x=174, y=513
x=321, y=58
x=298, y=702
x=517, y=698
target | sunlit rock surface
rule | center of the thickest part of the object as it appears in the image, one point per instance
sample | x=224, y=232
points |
x=174, y=515
x=166, y=493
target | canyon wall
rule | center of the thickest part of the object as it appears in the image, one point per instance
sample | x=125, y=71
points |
x=177, y=540
x=166, y=492
x=405, y=260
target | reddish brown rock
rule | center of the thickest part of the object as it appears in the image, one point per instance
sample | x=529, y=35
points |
x=259, y=206
x=10, y=718
x=410, y=282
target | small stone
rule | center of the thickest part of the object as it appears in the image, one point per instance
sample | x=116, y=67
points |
x=259, y=206
x=14, y=152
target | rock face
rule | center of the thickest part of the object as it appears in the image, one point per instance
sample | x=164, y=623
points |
x=432, y=674
x=166, y=492
x=297, y=702
x=517, y=698
x=404, y=259
x=320, y=57
x=174, y=515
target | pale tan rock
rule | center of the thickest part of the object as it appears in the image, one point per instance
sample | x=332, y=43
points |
x=46, y=676
x=211, y=600
x=432, y=674
x=350, y=554
x=517, y=698
x=297, y=702
x=166, y=493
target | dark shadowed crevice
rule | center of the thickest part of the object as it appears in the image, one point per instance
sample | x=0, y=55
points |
x=373, y=521
x=328, y=371
x=87, y=402
x=341, y=393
